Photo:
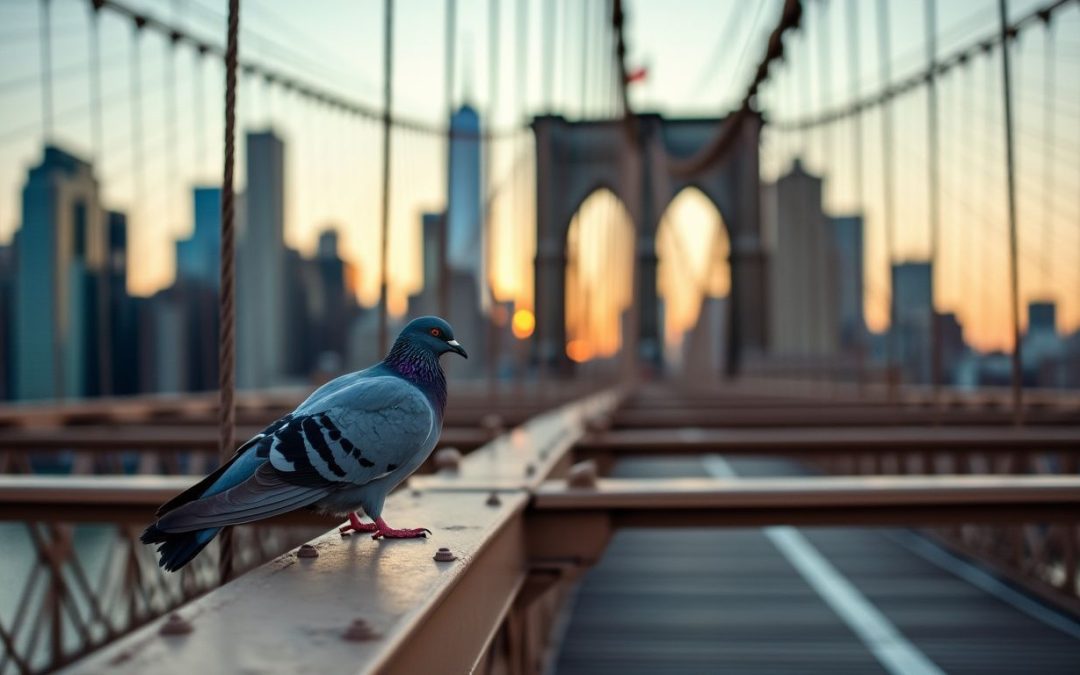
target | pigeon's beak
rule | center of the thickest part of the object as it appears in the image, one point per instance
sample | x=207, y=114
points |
x=456, y=347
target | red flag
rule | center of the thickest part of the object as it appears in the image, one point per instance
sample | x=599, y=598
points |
x=637, y=75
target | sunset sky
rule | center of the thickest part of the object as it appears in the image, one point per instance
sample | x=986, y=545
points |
x=333, y=162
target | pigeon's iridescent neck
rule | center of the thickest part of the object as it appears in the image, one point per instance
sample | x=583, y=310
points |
x=421, y=367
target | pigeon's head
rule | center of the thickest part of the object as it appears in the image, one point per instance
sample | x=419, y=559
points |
x=432, y=333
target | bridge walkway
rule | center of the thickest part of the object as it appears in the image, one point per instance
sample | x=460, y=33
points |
x=714, y=600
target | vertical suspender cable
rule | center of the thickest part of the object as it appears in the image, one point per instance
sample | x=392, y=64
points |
x=493, y=97
x=547, y=22
x=104, y=327
x=857, y=161
x=824, y=71
x=1048, y=156
x=933, y=186
x=198, y=120
x=388, y=88
x=821, y=257
x=46, y=72
x=171, y=111
x=96, y=131
x=1014, y=274
x=227, y=309
x=46, y=133
x=585, y=42
x=444, y=232
x=521, y=39
x=884, y=56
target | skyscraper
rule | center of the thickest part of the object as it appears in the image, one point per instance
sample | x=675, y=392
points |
x=124, y=362
x=803, y=275
x=261, y=260
x=197, y=258
x=426, y=300
x=912, y=314
x=63, y=247
x=464, y=215
x=848, y=244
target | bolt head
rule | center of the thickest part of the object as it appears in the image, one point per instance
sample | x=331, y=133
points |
x=176, y=625
x=493, y=499
x=444, y=555
x=359, y=631
x=307, y=551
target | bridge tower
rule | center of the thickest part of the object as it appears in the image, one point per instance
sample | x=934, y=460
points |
x=639, y=163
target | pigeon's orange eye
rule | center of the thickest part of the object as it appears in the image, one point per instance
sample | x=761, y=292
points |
x=436, y=332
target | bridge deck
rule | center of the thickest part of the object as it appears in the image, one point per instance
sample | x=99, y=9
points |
x=744, y=601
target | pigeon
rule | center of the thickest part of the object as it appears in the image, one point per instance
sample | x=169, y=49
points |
x=341, y=451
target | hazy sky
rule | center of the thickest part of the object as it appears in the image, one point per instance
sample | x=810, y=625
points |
x=697, y=65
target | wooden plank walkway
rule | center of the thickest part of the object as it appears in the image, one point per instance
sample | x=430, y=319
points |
x=728, y=601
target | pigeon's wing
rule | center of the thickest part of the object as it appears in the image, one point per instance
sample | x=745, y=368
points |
x=361, y=433
x=366, y=430
x=262, y=495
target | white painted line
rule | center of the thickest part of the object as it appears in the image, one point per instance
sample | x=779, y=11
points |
x=893, y=651
x=985, y=581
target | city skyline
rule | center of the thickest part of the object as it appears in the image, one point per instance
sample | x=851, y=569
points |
x=342, y=190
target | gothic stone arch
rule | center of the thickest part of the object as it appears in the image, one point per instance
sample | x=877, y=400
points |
x=576, y=158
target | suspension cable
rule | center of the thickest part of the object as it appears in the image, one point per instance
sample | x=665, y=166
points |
x=227, y=309
x=957, y=57
x=286, y=81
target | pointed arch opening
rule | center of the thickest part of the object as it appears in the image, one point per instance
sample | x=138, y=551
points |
x=600, y=244
x=693, y=280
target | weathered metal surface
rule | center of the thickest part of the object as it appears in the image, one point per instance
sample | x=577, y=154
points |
x=830, y=441
x=468, y=407
x=421, y=615
x=525, y=456
x=105, y=499
x=829, y=500
x=831, y=416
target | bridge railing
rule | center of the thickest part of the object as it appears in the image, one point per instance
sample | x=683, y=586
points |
x=515, y=523
x=78, y=597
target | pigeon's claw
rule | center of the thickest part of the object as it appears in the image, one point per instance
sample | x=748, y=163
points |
x=356, y=526
x=384, y=530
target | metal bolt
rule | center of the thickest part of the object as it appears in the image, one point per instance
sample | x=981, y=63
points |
x=582, y=475
x=493, y=499
x=530, y=469
x=492, y=423
x=307, y=551
x=359, y=631
x=448, y=460
x=176, y=625
x=444, y=555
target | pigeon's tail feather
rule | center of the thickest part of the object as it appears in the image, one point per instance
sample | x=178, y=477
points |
x=178, y=548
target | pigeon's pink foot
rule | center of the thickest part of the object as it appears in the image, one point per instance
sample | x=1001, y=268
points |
x=384, y=530
x=356, y=526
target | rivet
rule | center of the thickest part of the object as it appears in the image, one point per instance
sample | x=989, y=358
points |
x=359, y=631
x=444, y=555
x=176, y=625
x=307, y=551
x=493, y=499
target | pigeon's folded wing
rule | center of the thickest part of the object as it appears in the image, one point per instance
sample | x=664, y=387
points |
x=359, y=434
x=364, y=432
x=262, y=495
